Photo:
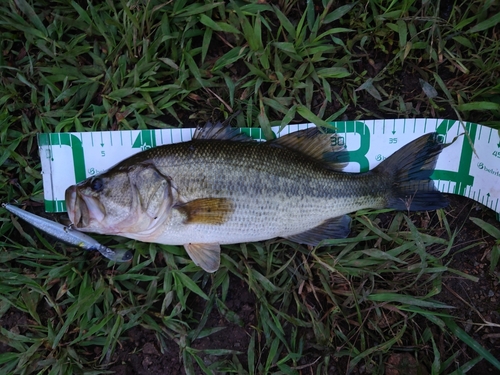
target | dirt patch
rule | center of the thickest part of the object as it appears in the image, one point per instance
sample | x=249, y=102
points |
x=145, y=352
x=141, y=354
x=477, y=302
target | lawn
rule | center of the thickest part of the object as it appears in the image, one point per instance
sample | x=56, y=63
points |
x=404, y=294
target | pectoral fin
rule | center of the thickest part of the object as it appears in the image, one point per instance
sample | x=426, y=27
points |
x=337, y=227
x=205, y=255
x=206, y=210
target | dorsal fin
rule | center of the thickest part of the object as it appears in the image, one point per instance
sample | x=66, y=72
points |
x=323, y=147
x=220, y=131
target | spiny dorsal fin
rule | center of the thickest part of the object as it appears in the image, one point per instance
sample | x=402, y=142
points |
x=323, y=147
x=206, y=210
x=204, y=255
x=221, y=131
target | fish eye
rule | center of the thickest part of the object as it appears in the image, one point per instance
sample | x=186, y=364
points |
x=97, y=184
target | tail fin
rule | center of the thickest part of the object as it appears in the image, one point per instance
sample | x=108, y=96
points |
x=410, y=169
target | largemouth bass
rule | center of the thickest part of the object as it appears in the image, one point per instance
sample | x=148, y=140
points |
x=223, y=188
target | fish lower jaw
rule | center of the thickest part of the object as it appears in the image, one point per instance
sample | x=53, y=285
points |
x=148, y=235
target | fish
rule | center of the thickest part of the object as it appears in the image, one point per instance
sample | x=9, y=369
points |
x=68, y=234
x=222, y=187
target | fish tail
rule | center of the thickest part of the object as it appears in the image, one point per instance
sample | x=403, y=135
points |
x=410, y=169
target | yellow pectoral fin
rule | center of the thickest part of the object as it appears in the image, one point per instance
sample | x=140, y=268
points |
x=204, y=255
x=206, y=210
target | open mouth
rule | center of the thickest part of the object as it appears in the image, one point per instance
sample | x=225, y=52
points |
x=82, y=209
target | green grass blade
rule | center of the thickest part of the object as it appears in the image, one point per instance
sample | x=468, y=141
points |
x=32, y=16
x=473, y=344
x=486, y=24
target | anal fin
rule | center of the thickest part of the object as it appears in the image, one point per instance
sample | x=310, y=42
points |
x=204, y=255
x=337, y=227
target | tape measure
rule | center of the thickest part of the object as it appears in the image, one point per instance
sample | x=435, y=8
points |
x=469, y=167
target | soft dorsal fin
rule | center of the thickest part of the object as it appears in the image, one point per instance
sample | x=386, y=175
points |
x=221, y=131
x=323, y=147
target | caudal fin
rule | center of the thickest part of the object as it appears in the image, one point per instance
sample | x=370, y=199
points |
x=410, y=169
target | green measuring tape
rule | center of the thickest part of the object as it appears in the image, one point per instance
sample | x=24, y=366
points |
x=469, y=167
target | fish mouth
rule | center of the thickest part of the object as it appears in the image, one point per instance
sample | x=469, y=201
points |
x=82, y=209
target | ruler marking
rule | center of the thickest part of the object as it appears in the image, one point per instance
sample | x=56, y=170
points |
x=489, y=136
x=480, y=130
x=111, y=138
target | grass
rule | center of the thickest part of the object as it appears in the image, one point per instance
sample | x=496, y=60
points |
x=354, y=304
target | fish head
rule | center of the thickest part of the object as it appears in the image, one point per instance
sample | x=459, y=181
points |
x=131, y=201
